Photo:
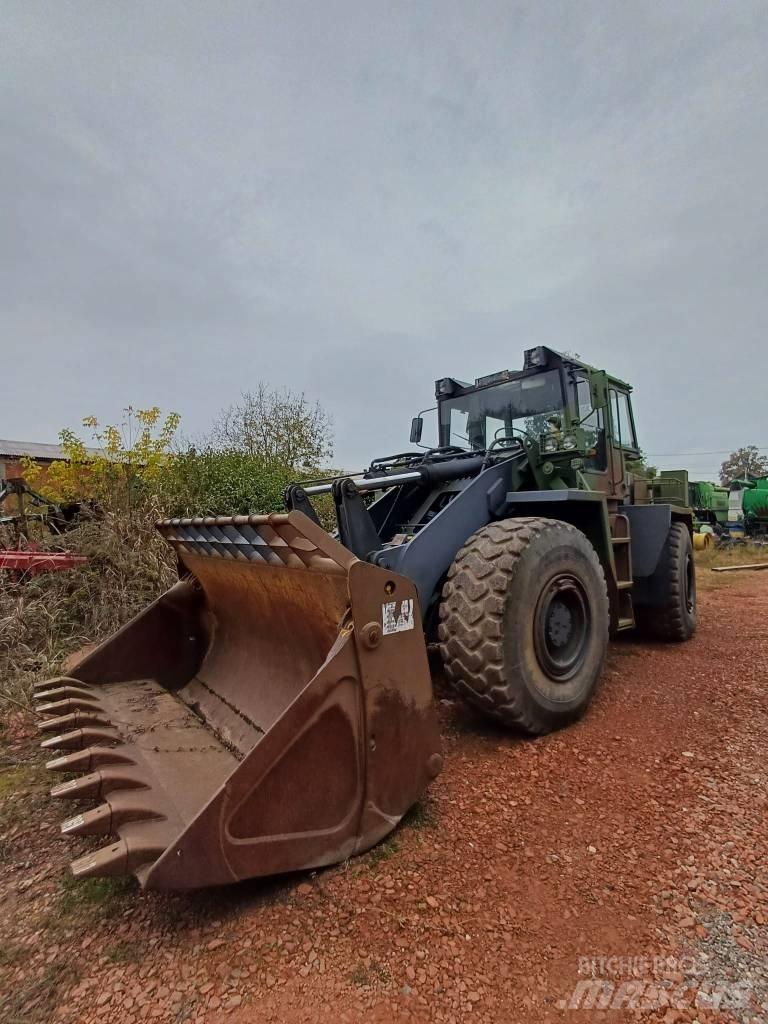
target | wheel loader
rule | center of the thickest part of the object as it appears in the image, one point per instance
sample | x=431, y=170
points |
x=273, y=710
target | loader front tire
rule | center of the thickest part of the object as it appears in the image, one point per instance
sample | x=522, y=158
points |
x=524, y=622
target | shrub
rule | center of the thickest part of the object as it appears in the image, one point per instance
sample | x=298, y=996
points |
x=228, y=482
x=124, y=464
x=131, y=480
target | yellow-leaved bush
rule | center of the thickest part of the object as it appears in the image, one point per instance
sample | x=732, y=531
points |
x=120, y=463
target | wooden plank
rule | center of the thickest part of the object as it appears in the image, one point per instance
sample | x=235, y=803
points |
x=735, y=568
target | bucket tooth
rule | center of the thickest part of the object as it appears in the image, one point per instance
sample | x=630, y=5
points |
x=133, y=853
x=132, y=805
x=88, y=759
x=97, y=822
x=79, y=738
x=67, y=706
x=60, y=724
x=121, y=807
x=61, y=692
x=118, y=778
x=69, y=741
x=86, y=788
x=110, y=860
x=45, y=685
x=73, y=721
x=97, y=784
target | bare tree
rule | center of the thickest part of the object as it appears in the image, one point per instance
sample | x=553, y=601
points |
x=743, y=463
x=277, y=426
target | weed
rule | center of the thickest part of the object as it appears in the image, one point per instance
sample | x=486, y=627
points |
x=383, y=851
x=101, y=897
x=9, y=954
x=126, y=952
x=363, y=975
x=35, y=1000
x=11, y=780
x=22, y=793
x=16, y=777
x=359, y=976
x=421, y=815
x=381, y=971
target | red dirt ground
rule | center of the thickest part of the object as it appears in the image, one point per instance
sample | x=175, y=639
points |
x=640, y=832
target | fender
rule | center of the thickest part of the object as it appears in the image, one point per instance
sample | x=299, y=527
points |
x=428, y=556
x=649, y=526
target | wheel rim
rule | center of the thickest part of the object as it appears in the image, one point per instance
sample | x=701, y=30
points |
x=690, y=585
x=561, y=627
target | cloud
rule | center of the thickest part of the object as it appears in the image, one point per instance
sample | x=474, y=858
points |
x=357, y=199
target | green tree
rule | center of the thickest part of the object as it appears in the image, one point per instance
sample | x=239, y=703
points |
x=277, y=427
x=267, y=440
x=743, y=463
x=641, y=467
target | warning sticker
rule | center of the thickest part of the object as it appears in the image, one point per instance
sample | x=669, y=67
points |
x=397, y=616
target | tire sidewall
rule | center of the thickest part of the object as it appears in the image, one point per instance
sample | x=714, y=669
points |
x=555, y=551
x=684, y=557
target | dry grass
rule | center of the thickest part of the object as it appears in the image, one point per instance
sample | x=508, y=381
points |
x=47, y=617
x=747, y=554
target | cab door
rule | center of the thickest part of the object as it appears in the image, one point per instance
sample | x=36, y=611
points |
x=623, y=443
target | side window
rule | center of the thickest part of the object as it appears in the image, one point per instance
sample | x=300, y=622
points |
x=622, y=420
x=467, y=428
x=593, y=424
x=459, y=426
x=583, y=398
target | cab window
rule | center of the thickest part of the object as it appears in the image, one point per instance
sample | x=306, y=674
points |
x=583, y=398
x=623, y=425
x=592, y=422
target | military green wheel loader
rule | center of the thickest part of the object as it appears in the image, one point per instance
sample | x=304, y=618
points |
x=273, y=710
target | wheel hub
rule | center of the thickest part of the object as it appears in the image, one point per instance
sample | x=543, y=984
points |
x=561, y=627
x=559, y=624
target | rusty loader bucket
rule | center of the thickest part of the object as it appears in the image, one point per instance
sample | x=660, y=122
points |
x=271, y=712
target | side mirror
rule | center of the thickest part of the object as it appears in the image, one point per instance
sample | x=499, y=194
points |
x=417, y=425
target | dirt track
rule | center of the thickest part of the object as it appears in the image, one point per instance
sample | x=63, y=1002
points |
x=639, y=833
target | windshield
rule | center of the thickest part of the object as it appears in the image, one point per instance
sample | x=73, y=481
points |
x=520, y=406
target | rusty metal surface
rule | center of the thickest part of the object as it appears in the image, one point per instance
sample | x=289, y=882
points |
x=30, y=562
x=271, y=712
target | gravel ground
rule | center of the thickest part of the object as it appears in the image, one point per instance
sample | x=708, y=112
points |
x=629, y=849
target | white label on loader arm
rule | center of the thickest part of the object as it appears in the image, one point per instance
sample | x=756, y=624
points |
x=394, y=620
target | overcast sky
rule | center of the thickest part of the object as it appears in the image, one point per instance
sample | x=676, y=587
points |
x=354, y=198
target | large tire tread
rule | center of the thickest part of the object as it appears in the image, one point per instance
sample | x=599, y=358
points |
x=668, y=622
x=471, y=630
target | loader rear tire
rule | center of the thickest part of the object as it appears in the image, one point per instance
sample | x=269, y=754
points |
x=674, y=620
x=524, y=622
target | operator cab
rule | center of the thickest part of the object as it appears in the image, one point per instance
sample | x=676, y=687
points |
x=564, y=406
x=499, y=407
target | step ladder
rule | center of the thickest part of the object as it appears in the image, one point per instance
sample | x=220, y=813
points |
x=622, y=557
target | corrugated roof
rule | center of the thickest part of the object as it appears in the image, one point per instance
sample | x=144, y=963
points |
x=35, y=450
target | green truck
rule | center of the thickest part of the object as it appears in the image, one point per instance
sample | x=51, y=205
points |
x=748, y=501
x=709, y=501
